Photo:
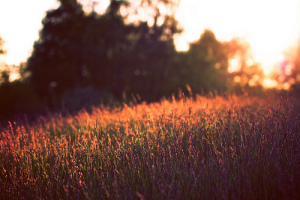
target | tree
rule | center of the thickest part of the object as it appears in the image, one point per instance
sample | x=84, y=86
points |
x=151, y=51
x=106, y=51
x=245, y=72
x=152, y=54
x=288, y=75
x=56, y=61
x=4, y=78
x=16, y=97
x=207, y=64
x=294, y=75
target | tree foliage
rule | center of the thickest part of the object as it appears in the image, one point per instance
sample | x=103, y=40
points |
x=295, y=73
x=121, y=57
x=4, y=78
x=289, y=70
x=56, y=62
x=248, y=73
x=76, y=49
x=205, y=66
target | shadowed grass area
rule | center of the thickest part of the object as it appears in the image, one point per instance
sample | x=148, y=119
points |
x=207, y=148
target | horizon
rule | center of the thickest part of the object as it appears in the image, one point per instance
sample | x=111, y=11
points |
x=269, y=34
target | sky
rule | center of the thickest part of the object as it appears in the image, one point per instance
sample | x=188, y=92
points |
x=269, y=26
x=20, y=22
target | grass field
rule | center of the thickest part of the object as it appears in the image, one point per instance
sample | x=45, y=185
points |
x=203, y=148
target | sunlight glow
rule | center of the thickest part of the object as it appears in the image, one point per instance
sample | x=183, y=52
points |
x=233, y=65
x=269, y=83
x=269, y=26
x=19, y=26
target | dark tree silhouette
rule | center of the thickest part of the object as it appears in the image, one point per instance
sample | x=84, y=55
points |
x=76, y=49
x=152, y=54
x=4, y=78
x=106, y=52
x=16, y=97
x=56, y=63
x=207, y=63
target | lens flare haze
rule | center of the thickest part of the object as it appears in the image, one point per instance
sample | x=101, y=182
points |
x=270, y=27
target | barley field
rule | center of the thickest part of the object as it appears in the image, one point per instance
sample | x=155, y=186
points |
x=190, y=148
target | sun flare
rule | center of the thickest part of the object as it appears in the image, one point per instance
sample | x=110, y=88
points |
x=270, y=27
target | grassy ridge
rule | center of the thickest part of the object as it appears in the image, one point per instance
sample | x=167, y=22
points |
x=208, y=148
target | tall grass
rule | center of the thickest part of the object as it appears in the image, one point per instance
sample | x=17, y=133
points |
x=207, y=148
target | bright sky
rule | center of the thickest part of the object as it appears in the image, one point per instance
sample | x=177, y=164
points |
x=270, y=26
x=20, y=22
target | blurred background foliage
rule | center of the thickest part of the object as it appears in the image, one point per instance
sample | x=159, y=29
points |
x=83, y=59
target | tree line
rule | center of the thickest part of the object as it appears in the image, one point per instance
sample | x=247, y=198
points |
x=81, y=58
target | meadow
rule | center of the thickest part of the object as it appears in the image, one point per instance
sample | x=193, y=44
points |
x=223, y=147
